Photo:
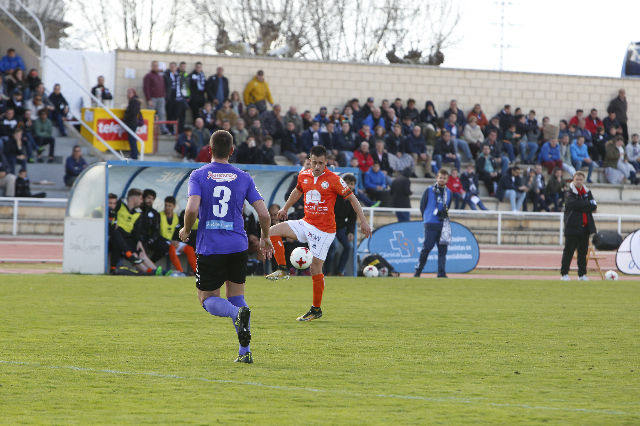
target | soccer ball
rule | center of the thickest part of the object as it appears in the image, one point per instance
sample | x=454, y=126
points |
x=611, y=275
x=370, y=271
x=301, y=258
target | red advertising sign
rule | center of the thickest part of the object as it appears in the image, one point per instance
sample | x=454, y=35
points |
x=110, y=130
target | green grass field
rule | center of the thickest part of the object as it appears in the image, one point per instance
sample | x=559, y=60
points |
x=79, y=349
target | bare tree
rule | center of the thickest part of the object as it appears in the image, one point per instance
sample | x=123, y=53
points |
x=126, y=24
x=357, y=30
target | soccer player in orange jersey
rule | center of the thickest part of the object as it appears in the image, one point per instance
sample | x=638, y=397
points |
x=320, y=187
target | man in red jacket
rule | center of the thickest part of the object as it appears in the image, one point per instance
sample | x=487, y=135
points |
x=454, y=184
x=365, y=160
x=154, y=93
x=593, y=122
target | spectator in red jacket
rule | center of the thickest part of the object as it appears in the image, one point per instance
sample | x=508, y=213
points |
x=576, y=118
x=365, y=160
x=477, y=112
x=154, y=93
x=457, y=191
x=592, y=122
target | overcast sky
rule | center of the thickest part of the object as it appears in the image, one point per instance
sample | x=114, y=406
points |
x=583, y=37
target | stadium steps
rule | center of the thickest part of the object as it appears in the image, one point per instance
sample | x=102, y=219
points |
x=601, y=191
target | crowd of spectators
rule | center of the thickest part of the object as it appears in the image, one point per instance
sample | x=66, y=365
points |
x=516, y=157
x=28, y=116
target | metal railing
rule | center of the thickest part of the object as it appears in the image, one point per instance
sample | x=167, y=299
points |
x=43, y=54
x=16, y=201
x=509, y=214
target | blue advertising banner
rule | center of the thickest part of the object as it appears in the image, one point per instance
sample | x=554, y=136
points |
x=400, y=244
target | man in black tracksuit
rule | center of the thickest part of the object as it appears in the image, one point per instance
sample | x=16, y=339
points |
x=345, y=227
x=578, y=226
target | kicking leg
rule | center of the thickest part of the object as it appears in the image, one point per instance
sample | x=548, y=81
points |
x=276, y=232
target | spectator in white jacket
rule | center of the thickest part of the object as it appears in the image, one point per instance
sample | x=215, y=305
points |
x=472, y=134
x=633, y=151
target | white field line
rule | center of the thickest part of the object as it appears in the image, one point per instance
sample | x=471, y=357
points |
x=452, y=399
x=9, y=260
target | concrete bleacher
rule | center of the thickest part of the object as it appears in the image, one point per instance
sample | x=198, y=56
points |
x=523, y=229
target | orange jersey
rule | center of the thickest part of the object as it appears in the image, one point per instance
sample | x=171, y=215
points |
x=320, y=197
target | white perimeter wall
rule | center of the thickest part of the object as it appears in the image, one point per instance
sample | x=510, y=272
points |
x=311, y=84
x=85, y=67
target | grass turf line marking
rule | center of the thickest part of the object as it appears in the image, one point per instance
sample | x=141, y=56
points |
x=452, y=399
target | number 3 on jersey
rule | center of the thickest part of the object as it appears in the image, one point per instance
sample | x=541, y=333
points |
x=222, y=207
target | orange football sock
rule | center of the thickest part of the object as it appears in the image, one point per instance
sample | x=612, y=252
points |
x=318, y=289
x=174, y=259
x=278, y=250
x=191, y=257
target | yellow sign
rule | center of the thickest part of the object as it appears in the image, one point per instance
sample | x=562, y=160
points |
x=112, y=133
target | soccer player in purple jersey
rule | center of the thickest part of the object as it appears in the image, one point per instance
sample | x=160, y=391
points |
x=217, y=193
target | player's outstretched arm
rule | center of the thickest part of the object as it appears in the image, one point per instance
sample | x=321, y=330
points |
x=265, y=223
x=293, y=198
x=190, y=216
x=364, y=225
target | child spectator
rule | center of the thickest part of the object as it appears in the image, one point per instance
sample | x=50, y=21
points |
x=599, y=141
x=556, y=188
x=23, y=186
x=469, y=180
x=457, y=192
x=185, y=146
x=267, y=155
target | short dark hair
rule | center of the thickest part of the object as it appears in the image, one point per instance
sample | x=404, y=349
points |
x=170, y=199
x=318, y=151
x=148, y=192
x=221, y=142
x=260, y=72
x=133, y=192
x=198, y=63
x=443, y=172
x=578, y=111
x=183, y=62
x=349, y=178
x=112, y=196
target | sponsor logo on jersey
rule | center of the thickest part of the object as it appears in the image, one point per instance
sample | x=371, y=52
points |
x=313, y=197
x=222, y=177
x=324, y=185
x=343, y=183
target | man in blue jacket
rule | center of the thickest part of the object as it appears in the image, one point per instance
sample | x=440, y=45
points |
x=580, y=156
x=10, y=62
x=550, y=156
x=434, y=206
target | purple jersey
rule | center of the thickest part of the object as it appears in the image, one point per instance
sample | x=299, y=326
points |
x=223, y=189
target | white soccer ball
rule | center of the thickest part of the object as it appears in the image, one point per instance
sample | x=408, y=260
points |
x=370, y=271
x=611, y=275
x=301, y=258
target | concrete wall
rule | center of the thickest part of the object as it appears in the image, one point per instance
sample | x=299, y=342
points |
x=9, y=39
x=311, y=84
